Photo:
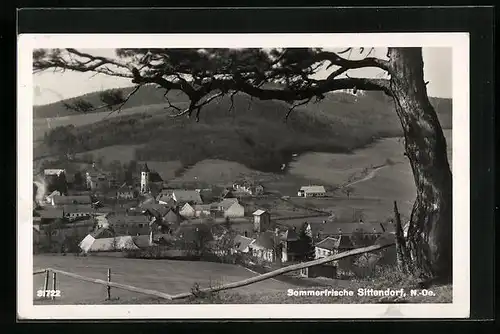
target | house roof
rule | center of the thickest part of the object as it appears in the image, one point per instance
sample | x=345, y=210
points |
x=265, y=240
x=166, y=199
x=313, y=189
x=226, y=203
x=259, y=212
x=185, y=196
x=241, y=242
x=328, y=243
x=107, y=244
x=155, y=209
x=125, y=219
x=189, y=233
x=51, y=213
x=208, y=195
x=154, y=177
x=71, y=208
x=172, y=217
x=145, y=168
x=59, y=200
x=141, y=241
x=226, y=193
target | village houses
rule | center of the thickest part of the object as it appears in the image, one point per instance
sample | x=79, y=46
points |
x=197, y=210
x=248, y=187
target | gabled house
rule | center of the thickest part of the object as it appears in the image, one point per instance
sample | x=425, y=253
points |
x=195, y=210
x=261, y=220
x=154, y=209
x=129, y=225
x=172, y=218
x=242, y=244
x=187, y=211
x=312, y=191
x=103, y=240
x=230, y=208
x=266, y=247
x=165, y=196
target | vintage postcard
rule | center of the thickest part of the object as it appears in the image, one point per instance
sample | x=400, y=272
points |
x=243, y=176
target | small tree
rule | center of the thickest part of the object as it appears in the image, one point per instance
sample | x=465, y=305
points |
x=306, y=242
x=348, y=191
x=79, y=182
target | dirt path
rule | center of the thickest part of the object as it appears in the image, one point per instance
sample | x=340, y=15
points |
x=367, y=177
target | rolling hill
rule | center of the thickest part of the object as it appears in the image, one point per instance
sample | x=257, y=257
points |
x=252, y=133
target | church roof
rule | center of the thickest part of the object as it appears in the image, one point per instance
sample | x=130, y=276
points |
x=145, y=168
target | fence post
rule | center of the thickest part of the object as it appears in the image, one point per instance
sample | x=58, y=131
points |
x=109, y=287
x=53, y=285
x=46, y=282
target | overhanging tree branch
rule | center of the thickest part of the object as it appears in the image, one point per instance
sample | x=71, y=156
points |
x=237, y=75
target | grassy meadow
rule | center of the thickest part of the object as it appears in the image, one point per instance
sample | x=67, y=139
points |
x=167, y=276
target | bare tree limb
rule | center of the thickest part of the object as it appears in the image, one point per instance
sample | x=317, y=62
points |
x=124, y=101
x=295, y=105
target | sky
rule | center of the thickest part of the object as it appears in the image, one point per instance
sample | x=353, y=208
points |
x=51, y=87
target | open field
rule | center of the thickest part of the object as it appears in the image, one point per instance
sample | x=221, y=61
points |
x=163, y=275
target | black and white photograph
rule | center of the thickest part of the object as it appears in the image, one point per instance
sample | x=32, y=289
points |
x=243, y=176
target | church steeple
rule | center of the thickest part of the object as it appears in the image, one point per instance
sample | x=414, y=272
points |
x=145, y=168
x=145, y=179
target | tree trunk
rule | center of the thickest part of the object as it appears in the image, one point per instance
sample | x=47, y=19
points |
x=430, y=230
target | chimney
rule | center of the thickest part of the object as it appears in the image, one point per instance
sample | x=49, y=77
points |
x=276, y=231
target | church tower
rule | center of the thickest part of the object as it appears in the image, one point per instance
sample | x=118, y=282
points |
x=145, y=179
